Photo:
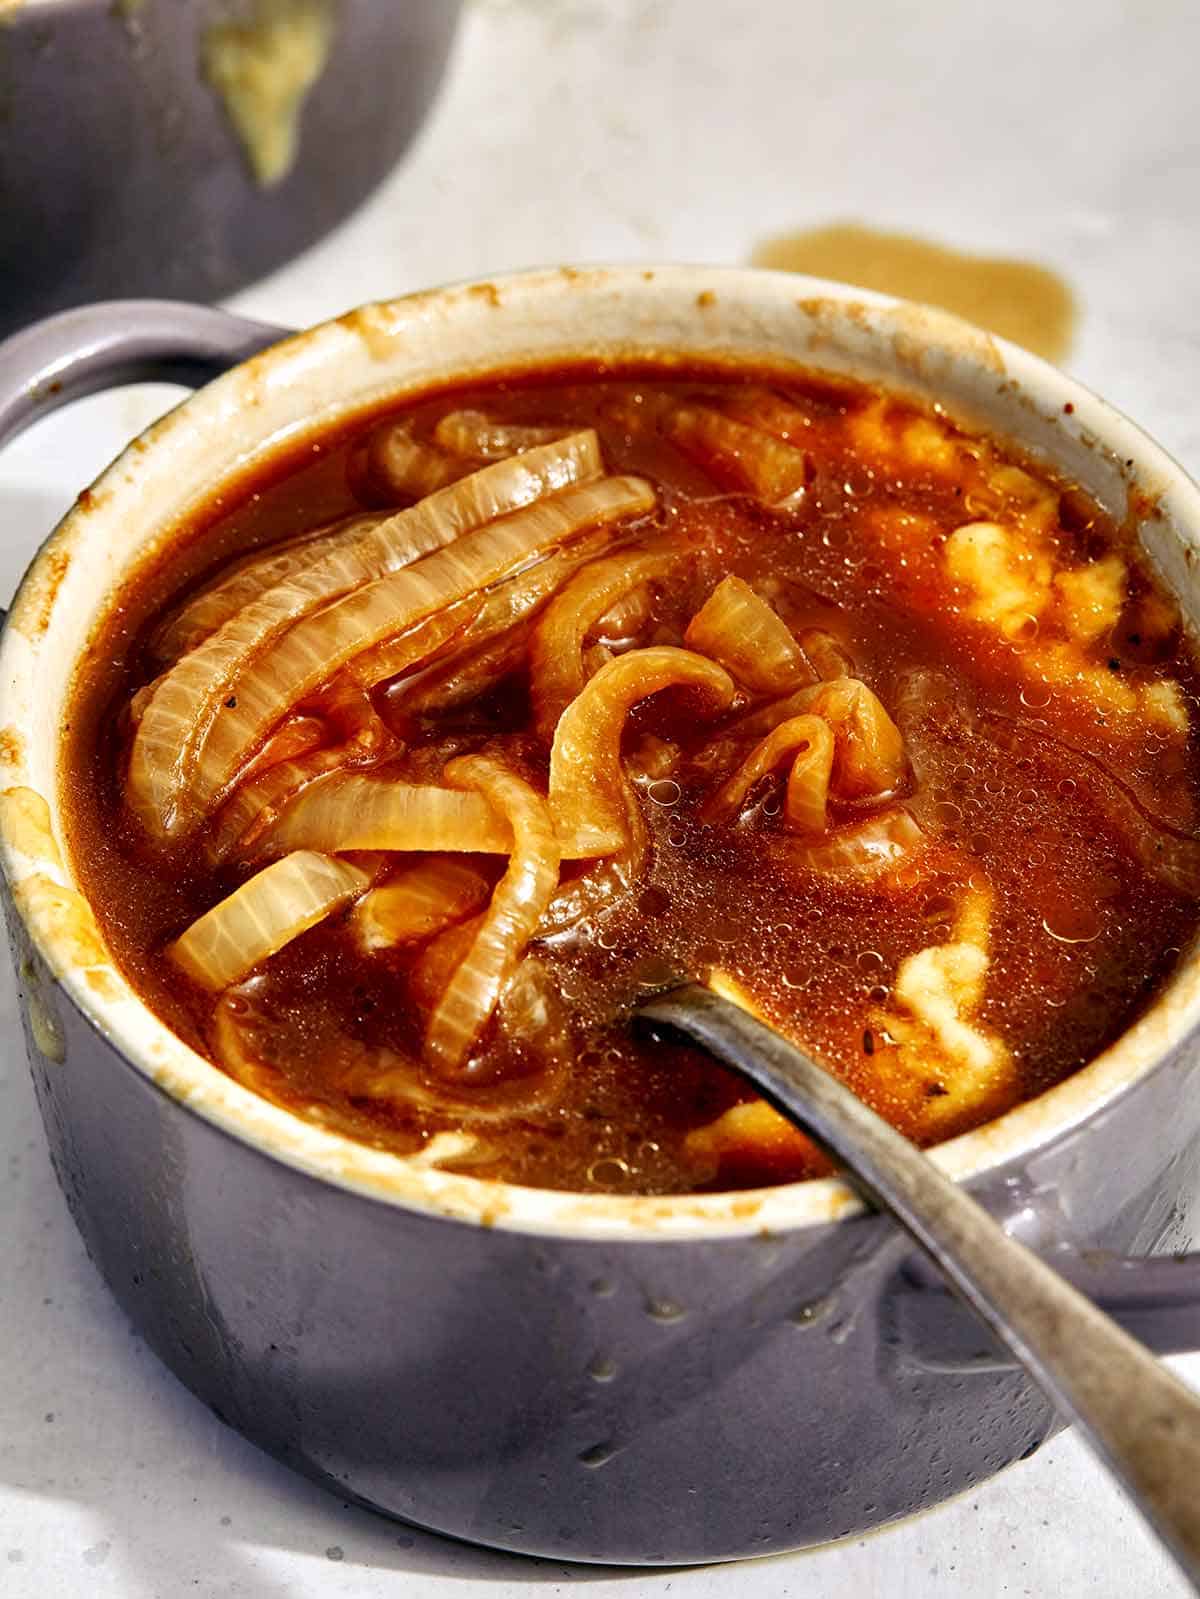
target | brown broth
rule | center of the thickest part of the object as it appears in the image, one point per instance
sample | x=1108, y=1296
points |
x=1026, y=792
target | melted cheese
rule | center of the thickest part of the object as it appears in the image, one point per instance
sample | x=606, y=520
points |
x=1008, y=584
x=935, y=1048
x=1090, y=598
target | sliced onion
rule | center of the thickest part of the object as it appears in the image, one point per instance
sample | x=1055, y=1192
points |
x=605, y=882
x=517, y=904
x=625, y=619
x=347, y=716
x=430, y=974
x=533, y=1017
x=866, y=850
x=757, y=723
x=764, y=409
x=405, y=467
x=557, y=672
x=346, y=709
x=259, y=800
x=870, y=751
x=279, y=903
x=826, y=656
x=238, y=585
x=464, y=677
x=497, y=639
x=806, y=738
x=805, y=808
x=283, y=674
x=737, y=627
x=740, y=457
x=419, y=901
x=350, y=810
x=473, y=434
x=587, y=782
x=179, y=714
x=298, y=736
x=429, y=639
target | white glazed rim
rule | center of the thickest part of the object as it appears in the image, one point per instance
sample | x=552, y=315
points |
x=532, y=318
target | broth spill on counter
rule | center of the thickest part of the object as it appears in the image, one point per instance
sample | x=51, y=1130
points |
x=774, y=680
x=1020, y=300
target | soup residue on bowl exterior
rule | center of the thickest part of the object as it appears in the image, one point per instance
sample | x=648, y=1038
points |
x=432, y=748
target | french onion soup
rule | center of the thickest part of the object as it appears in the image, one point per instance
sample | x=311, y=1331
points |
x=428, y=750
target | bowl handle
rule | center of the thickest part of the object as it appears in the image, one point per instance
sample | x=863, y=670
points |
x=1156, y=1298
x=116, y=342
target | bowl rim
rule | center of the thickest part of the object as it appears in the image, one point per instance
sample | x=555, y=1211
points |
x=921, y=344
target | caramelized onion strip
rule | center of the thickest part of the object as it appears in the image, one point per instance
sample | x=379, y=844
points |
x=258, y=801
x=419, y=901
x=297, y=737
x=737, y=627
x=349, y=810
x=516, y=907
x=406, y=468
x=605, y=881
x=353, y=734
x=178, y=714
x=354, y=810
x=866, y=851
x=825, y=655
x=625, y=619
x=283, y=674
x=806, y=738
x=587, y=782
x=279, y=903
x=738, y=456
x=430, y=638
x=477, y=436
x=238, y=585
x=307, y=653
x=465, y=676
x=870, y=751
x=557, y=673
x=497, y=639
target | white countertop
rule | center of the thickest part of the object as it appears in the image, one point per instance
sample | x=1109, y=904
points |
x=593, y=130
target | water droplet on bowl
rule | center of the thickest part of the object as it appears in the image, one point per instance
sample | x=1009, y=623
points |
x=665, y=1310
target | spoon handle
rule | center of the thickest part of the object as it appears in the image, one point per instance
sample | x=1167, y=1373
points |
x=1142, y=1421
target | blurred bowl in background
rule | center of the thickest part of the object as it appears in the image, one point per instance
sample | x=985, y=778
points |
x=153, y=147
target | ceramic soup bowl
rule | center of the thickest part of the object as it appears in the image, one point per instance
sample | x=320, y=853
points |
x=588, y=1377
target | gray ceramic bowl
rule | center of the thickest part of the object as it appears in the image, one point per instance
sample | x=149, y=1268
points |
x=594, y=1378
x=132, y=163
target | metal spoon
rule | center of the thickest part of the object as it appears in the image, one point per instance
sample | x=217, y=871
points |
x=1140, y=1419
